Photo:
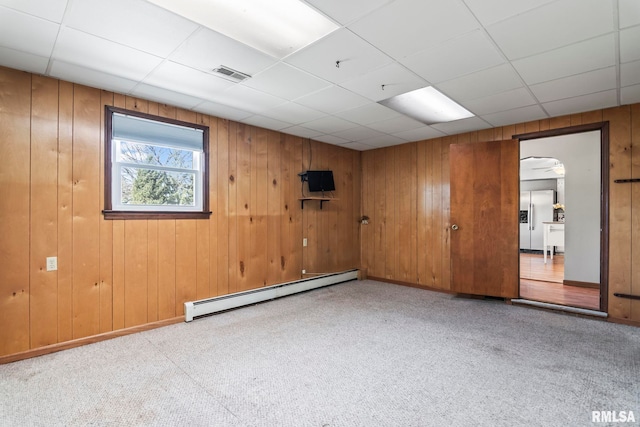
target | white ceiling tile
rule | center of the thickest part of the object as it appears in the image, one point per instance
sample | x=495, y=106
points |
x=383, y=141
x=369, y=113
x=222, y=111
x=247, y=99
x=629, y=12
x=333, y=99
x=356, y=57
x=266, y=122
x=630, y=44
x=516, y=115
x=346, y=11
x=481, y=84
x=292, y=113
x=134, y=23
x=51, y=10
x=286, y=82
x=395, y=78
x=408, y=26
x=461, y=126
x=491, y=11
x=302, y=132
x=630, y=73
x=551, y=26
x=23, y=61
x=582, y=103
x=330, y=124
x=630, y=94
x=500, y=102
x=88, y=77
x=578, y=58
x=358, y=133
x=396, y=124
x=454, y=58
x=27, y=33
x=419, y=134
x=358, y=146
x=572, y=86
x=331, y=139
x=76, y=47
x=153, y=93
x=206, y=50
x=186, y=80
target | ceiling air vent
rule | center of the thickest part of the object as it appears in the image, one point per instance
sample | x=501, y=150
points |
x=230, y=74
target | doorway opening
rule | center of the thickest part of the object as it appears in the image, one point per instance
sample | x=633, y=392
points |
x=564, y=216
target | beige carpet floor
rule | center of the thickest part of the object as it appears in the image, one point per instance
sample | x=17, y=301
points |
x=356, y=354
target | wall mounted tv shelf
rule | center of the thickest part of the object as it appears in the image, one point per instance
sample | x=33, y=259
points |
x=322, y=200
x=319, y=181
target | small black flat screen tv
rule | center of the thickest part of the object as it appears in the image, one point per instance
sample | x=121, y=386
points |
x=320, y=181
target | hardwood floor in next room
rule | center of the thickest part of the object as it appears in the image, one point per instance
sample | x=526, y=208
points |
x=543, y=282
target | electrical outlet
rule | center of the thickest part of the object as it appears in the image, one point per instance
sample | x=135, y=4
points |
x=304, y=242
x=304, y=271
x=52, y=263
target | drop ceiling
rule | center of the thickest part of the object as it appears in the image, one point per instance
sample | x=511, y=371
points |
x=505, y=61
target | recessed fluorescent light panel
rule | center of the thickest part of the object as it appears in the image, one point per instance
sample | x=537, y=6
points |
x=427, y=105
x=277, y=28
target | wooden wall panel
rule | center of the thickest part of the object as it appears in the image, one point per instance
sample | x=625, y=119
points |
x=379, y=176
x=222, y=215
x=65, y=212
x=620, y=232
x=259, y=244
x=106, y=240
x=234, y=262
x=287, y=203
x=213, y=205
x=87, y=110
x=136, y=257
x=274, y=211
x=152, y=270
x=44, y=231
x=437, y=211
x=445, y=198
x=635, y=212
x=203, y=240
x=367, y=200
x=295, y=262
x=15, y=126
x=186, y=265
x=246, y=268
x=166, y=269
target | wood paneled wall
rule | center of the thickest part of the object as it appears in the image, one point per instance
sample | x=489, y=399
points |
x=114, y=274
x=405, y=192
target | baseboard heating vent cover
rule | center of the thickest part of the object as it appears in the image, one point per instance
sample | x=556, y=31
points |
x=559, y=307
x=207, y=306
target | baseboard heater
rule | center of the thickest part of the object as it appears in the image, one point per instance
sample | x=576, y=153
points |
x=208, y=306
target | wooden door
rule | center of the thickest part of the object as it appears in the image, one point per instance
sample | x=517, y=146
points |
x=484, y=218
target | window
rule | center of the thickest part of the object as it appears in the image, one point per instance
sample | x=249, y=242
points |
x=154, y=167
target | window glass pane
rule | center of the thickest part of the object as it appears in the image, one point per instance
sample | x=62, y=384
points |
x=144, y=154
x=153, y=187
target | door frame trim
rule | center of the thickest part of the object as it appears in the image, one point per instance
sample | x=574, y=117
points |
x=603, y=127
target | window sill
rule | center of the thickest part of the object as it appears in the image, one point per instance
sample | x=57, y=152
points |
x=108, y=214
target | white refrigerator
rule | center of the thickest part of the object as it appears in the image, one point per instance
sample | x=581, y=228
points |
x=536, y=207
